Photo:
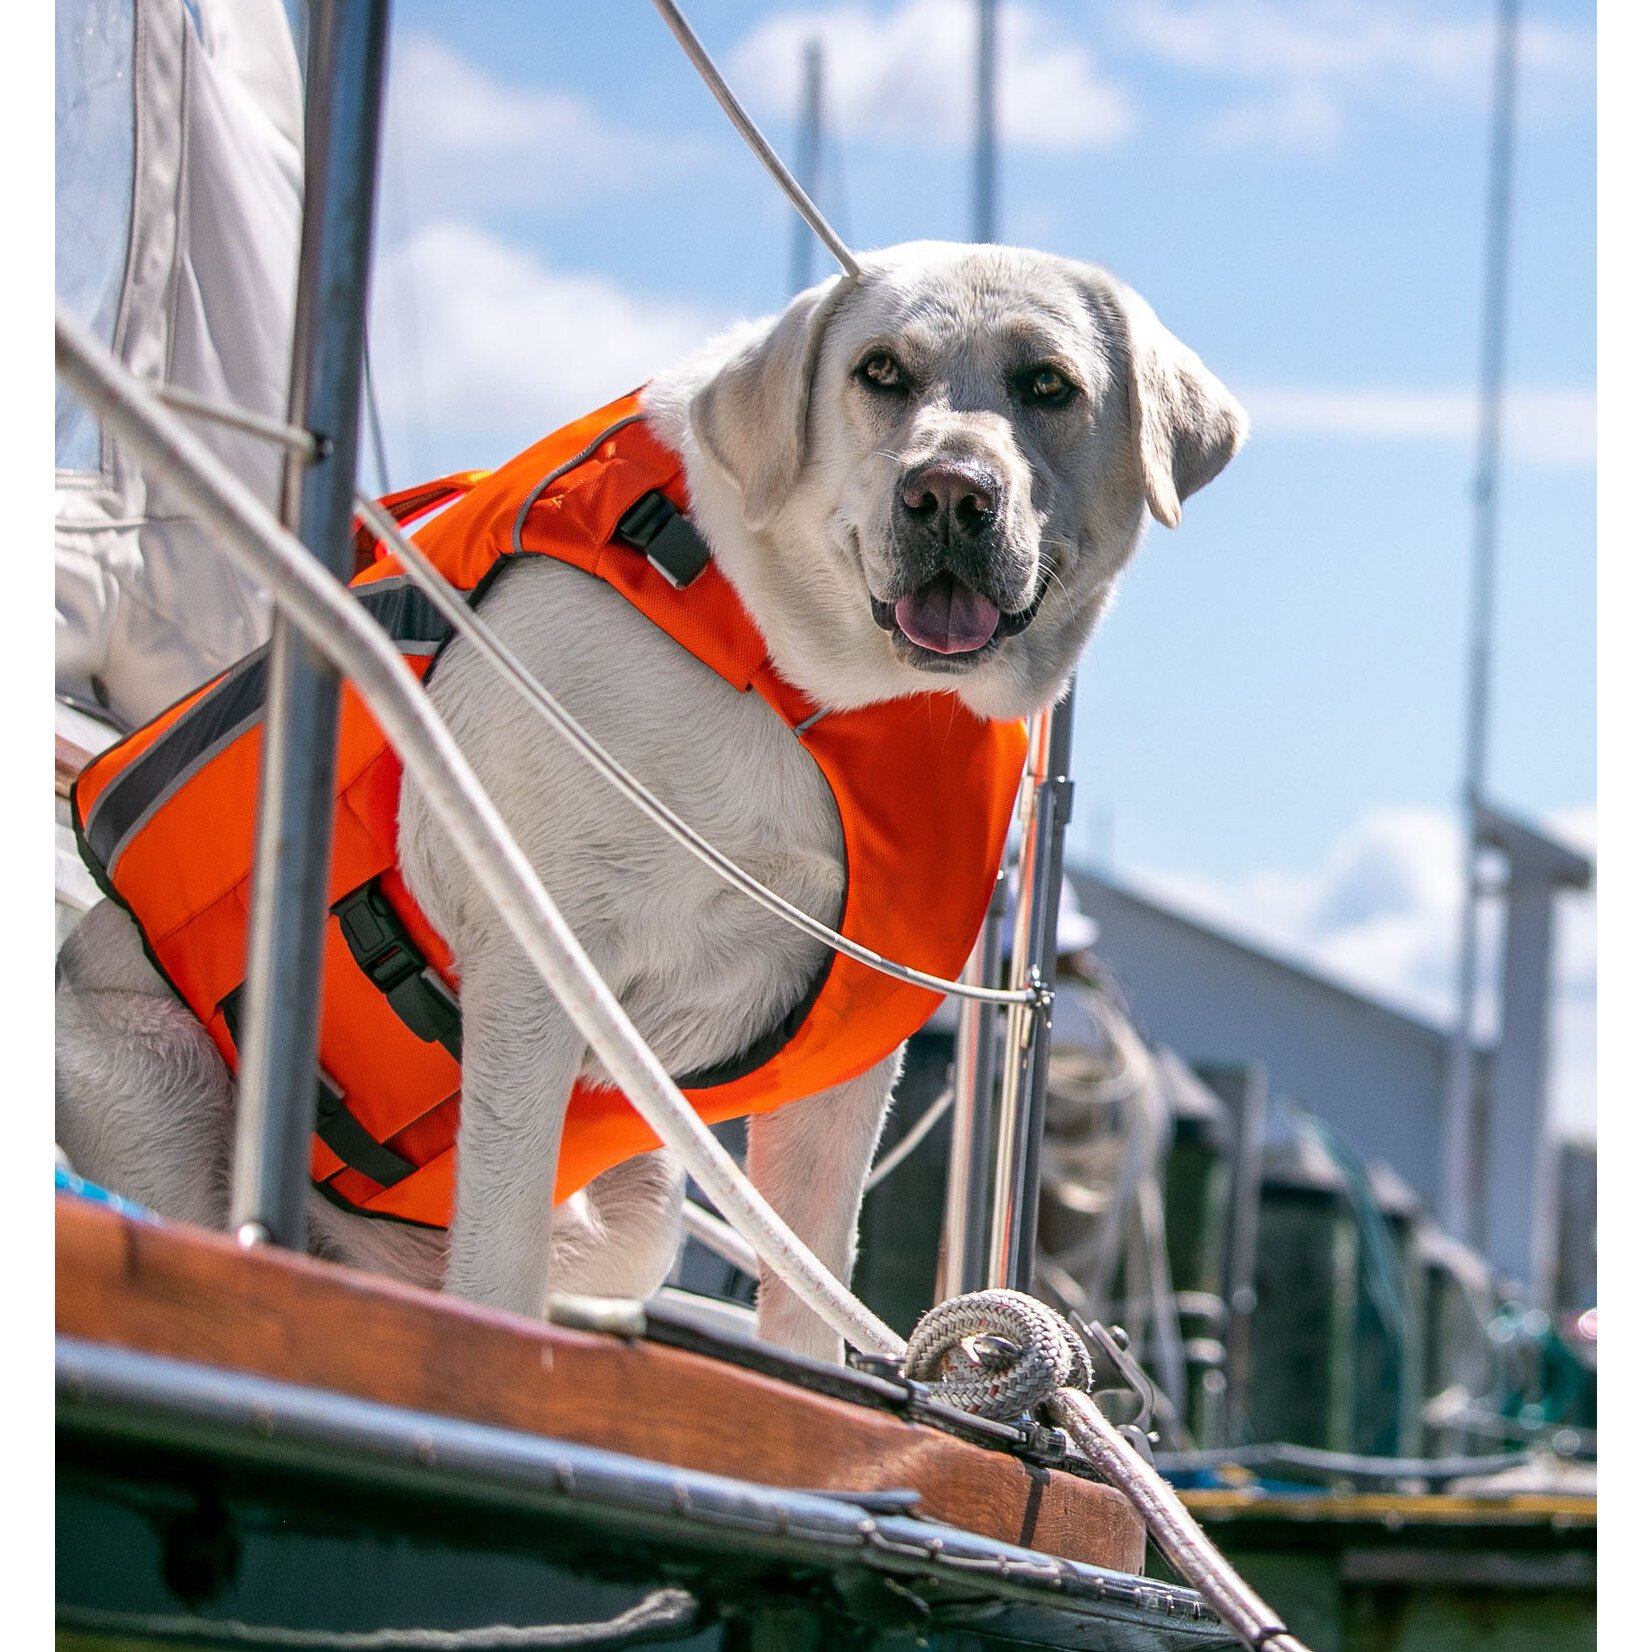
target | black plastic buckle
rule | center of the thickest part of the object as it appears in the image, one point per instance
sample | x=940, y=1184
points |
x=385, y=952
x=376, y=939
x=666, y=537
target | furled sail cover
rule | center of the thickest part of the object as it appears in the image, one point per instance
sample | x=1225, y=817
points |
x=179, y=178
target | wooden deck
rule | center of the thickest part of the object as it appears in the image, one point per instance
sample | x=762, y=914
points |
x=197, y=1296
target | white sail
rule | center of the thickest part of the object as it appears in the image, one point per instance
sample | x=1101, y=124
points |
x=179, y=181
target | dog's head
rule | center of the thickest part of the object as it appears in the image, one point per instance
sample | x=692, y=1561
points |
x=932, y=477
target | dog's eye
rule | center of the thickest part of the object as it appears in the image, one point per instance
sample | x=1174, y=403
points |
x=1046, y=386
x=882, y=371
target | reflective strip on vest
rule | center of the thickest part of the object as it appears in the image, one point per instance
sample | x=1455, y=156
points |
x=228, y=710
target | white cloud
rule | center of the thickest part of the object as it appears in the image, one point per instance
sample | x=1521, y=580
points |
x=1552, y=428
x=1298, y=119
x=478, y=348
x=1381, y=914
x=908, y=75
x=1313, y=62
x=457, y=138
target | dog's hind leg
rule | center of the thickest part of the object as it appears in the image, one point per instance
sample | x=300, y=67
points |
x=619, y=1236
x=144, y=1102
x=810, y=1160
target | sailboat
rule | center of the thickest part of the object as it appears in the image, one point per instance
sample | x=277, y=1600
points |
x=260, y=1448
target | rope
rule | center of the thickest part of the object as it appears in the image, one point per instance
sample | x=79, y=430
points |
x=996, y=1353
x=654, y=1616
x=999, y=1354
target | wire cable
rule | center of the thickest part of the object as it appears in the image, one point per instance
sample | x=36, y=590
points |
x=467, y=623
x=457, y=611
x=759, y=145
x=909, y=1143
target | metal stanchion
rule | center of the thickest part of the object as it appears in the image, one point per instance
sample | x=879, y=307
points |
x=281, y=1005
x=963, y=1261
x=1013, y=1232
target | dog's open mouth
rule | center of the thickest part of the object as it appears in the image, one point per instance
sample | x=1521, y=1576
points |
x=946, y=617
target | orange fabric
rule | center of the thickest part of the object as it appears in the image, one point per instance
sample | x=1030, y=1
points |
x=924, y=790
x=408, y=506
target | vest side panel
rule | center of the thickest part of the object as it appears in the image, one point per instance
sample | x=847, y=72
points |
x=109, y=764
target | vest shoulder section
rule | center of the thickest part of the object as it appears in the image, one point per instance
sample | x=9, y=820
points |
x=564, y=495
x=564, y=498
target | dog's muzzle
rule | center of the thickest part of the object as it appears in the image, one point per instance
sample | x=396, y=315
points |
x=949, y=531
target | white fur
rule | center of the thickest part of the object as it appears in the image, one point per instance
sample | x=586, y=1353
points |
x=792, y=468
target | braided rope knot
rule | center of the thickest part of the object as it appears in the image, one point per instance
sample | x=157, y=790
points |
x=997, y=1354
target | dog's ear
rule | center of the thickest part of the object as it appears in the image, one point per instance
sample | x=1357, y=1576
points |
x=752, y=418
x=1187, y=424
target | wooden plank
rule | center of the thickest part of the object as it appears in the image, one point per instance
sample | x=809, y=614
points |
x=71, y=759
x=197, y=1296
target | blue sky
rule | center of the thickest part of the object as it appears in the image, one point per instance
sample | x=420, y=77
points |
x=1270, y=721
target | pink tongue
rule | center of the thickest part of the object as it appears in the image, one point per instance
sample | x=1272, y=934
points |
x=947, y=617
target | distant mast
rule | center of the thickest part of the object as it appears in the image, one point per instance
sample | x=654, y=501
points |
x=808, y=161
x=985, y=226
x=1462, y=1174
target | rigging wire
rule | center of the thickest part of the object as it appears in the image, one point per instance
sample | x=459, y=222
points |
x=810, y=138
x=912, y=1140
x=375, y=423
x=277, y=431
x=465, y=621
x=759, y=145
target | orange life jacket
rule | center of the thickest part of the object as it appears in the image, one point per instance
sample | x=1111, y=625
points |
x=165, y=820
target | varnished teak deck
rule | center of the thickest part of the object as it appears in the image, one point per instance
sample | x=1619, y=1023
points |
x=198, y=1296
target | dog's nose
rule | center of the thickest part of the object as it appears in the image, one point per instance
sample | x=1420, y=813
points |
x=959, y=495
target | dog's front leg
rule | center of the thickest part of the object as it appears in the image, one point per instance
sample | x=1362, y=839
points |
x=521, y=1057
x=809, y=1160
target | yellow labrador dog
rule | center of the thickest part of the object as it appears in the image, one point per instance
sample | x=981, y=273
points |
x=929, y=479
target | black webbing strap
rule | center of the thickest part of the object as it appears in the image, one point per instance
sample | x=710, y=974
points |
x=335, y=1124
x=666, y=537
x=387, y=956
